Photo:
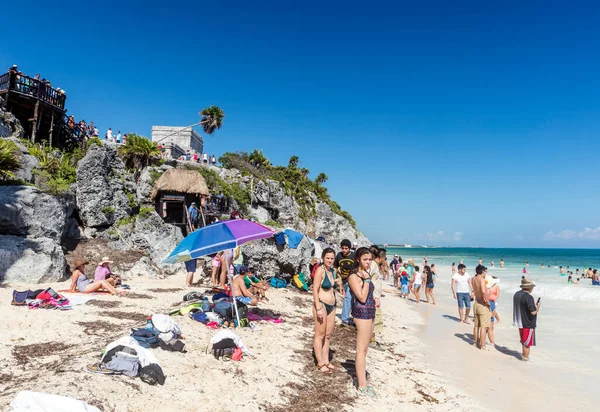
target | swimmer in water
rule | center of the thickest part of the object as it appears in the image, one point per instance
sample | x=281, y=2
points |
x=524, y=271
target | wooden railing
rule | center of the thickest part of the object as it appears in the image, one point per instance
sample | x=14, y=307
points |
x=36, y=88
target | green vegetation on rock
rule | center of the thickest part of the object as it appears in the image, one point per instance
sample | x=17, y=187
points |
x=138, y=152
x=273, y=223
x=108, y=210
x=57, y=170
x=292, y=178
x=217, y=185
x=9, y=159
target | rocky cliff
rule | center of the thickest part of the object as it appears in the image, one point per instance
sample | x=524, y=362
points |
x=37, y=229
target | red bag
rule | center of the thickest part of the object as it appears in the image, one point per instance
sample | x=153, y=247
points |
x=48, y=294
x=237, y=354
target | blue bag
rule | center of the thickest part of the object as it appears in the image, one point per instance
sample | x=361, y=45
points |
x=280, y=238
x=199, y=317
x=147, y=338
x=278, y=283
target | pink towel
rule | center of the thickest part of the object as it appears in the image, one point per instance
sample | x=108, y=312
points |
x=252, y=317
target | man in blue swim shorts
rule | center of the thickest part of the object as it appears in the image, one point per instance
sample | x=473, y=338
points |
x=241, y=293
x=462, y=289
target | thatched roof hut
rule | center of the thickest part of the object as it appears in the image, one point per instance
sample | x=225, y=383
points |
x=181, y=181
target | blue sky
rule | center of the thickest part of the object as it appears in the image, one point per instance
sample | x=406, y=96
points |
x=451, y=124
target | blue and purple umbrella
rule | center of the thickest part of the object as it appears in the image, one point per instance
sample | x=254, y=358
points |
x=223, y=235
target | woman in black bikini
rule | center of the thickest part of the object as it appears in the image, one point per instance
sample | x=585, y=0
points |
x=363, y=312
x=324, y=309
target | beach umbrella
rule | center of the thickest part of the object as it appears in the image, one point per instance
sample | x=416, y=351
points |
x=219, y=236
x=223, y=235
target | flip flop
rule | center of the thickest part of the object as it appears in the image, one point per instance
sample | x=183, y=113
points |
x=100, y=368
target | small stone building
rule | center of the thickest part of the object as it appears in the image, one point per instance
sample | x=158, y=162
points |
x=177, y=140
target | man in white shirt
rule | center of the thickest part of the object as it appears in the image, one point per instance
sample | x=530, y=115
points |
x=462, y=289
x=109, y=135
x=119, y=137
x=204, y=158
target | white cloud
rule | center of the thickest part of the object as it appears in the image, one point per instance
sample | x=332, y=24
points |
x=586, y=234
x=440, y=236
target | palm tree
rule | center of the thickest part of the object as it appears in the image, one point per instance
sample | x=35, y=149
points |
x=211, y=119
x=138, y=152
x=321, y=178
x=258, y=159
x=293, y=162
x=9, y=160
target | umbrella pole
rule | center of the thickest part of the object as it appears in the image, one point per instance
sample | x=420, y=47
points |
x=233, y=301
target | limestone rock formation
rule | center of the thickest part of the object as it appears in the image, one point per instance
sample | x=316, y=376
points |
x=268, y=258
x=26, y=211
x=150, y=234
x=31, y=260
x=104, y=187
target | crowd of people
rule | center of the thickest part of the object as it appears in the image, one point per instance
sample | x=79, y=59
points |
x=37, y=86
x=190, y=156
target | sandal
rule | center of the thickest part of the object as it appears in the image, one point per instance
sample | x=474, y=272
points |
x=331, y=367
x=326, y=371
x=100, y=368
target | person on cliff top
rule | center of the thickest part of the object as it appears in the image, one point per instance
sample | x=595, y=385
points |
x=344, y=264
x=79, y=281
x=363, y=312
x=103, y=272
x=324, y=304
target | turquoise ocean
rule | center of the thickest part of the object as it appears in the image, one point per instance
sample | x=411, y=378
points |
x=549, y=282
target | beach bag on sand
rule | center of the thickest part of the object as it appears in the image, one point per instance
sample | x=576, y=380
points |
x=193, y=296
x=19, y=298
x=147, y=338
x=49, y=294
x=300, y=282
x=278, y=283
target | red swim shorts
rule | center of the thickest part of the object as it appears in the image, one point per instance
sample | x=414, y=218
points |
x=527, y=337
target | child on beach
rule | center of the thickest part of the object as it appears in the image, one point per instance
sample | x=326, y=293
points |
x=404, y=283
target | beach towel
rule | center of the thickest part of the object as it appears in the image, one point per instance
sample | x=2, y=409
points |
x=83, y=293
x=252, y=317
x=78, y=299
x=29, y=401
x=293, y=238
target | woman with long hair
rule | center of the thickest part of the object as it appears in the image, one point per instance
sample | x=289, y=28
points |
x=363, y=311
x=429, y=284
x=324, y=305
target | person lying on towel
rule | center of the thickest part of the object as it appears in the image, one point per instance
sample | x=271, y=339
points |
x=79, y=281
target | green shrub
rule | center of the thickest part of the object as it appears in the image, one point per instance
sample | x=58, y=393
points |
x=108, y=210
x=154, y=175
x=145, y=212
x=273, y=223
x=57, y=170
x=9, y=159
x=293, y=178
x=125, y=221
x=131, y=199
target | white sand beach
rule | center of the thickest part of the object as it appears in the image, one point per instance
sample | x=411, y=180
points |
x=47, y=351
